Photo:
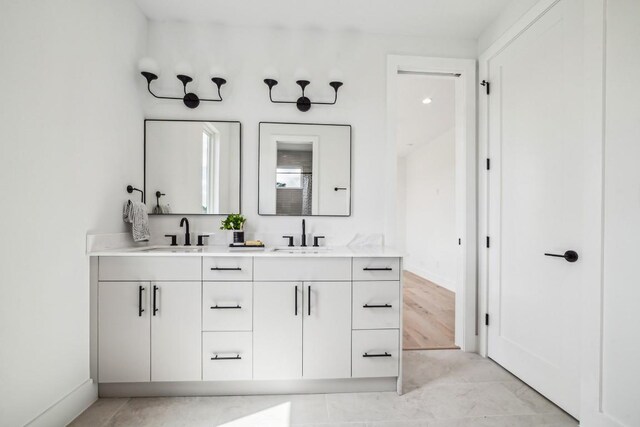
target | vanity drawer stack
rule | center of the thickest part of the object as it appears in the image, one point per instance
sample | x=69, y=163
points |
x=376, y=317
x=227, y=318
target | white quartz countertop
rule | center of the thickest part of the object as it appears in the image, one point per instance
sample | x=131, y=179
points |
x=225, y=251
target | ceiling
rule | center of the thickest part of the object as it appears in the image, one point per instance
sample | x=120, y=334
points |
x=430, y=18
x=420, y=123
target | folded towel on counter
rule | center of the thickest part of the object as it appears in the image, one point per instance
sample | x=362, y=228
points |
x=135, y=213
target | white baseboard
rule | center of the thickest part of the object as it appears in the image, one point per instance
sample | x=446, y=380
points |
x=435, y=278
x=69, y=407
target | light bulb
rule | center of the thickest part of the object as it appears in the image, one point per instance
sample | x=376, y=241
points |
x=184, y=69
x=148, y=65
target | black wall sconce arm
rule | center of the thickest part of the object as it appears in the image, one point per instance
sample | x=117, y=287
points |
x=303, y=103
x=190, y=99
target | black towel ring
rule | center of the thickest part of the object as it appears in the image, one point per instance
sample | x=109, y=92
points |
x=131, y=189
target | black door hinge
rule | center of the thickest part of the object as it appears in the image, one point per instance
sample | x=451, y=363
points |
x=486, y=319
x=488, y=242
x=488, y=164
x=487, y=86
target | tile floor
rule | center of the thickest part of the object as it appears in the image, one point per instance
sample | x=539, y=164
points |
x=443, y=388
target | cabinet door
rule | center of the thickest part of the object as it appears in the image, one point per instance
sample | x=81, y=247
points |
x=176, y=331
x=123, y=332
x=277, y=330
x=327, y=330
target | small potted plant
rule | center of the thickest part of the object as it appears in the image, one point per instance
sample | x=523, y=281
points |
x=234, y=222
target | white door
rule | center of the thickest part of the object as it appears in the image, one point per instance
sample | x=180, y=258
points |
x=537, y=199
x=123, y=332
x=176, y=331
x=326, y=334
x=277, y=330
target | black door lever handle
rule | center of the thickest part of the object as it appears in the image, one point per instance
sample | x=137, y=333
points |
x=569, y=256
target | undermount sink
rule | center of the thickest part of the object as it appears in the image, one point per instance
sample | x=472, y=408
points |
x=171, y=249
x=302, y=250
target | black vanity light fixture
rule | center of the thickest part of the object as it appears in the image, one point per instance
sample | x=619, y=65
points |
x=303, y=103
x=149, y=70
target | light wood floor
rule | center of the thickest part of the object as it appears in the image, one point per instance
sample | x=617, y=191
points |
x=429, y=314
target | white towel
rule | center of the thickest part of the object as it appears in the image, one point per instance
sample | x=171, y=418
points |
x=135, y=213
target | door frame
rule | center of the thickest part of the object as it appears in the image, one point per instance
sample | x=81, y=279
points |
x=466, y=178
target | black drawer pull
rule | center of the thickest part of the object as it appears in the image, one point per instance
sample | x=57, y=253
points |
x=155, y=298
x=226, y=268
x=378, y=269
x=216, y=357
x=377, y=306
x=385, y=354
x=140, y=309
x=225, y=307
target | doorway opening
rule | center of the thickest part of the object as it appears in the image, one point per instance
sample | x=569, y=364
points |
x=426, y=207
x=433, y=183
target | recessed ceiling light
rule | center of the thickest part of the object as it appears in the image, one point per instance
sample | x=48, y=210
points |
x=426, y=101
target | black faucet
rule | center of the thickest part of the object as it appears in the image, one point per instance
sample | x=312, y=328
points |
x=304, y=235
x=187, y=234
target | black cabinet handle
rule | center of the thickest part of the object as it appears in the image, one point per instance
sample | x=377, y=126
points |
x=385, y=354
x=377, y=306
x=226, y=268
x=216, y=357
x=295, y=298
x=377, y=269
x=225, y=307
x=155, y=291
x=309, y=300
x=140, y=309
x=339, y=188
x=569, y=256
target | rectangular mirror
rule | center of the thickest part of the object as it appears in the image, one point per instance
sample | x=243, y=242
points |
x=192, y=167
x=304, y=169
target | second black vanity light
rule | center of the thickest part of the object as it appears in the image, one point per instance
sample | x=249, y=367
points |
x=304, y=103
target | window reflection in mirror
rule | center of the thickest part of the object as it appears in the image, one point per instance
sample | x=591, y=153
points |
x=195, y=165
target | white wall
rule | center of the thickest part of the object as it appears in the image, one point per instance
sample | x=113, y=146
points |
x=70, y=141
x=245, y=53
x=430, y=210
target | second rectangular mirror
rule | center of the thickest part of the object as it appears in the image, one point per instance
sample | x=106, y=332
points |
x=304, y=169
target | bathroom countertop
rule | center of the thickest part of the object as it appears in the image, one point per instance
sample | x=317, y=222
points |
x=224, y=251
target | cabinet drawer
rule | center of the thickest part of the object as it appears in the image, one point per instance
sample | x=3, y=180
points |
x=376, y=305
x=226, y=356
x=375, y=353
x=327, y=269
x=227, y=306
x=376, y=269
x=149, y=268
x=227, y=268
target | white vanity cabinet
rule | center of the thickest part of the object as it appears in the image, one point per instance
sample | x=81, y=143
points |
x=302, y=330
x=149, y=330
x=235, y=323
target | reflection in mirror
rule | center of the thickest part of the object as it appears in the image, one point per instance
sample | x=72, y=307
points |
x=305, y=169
x=192, y=167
